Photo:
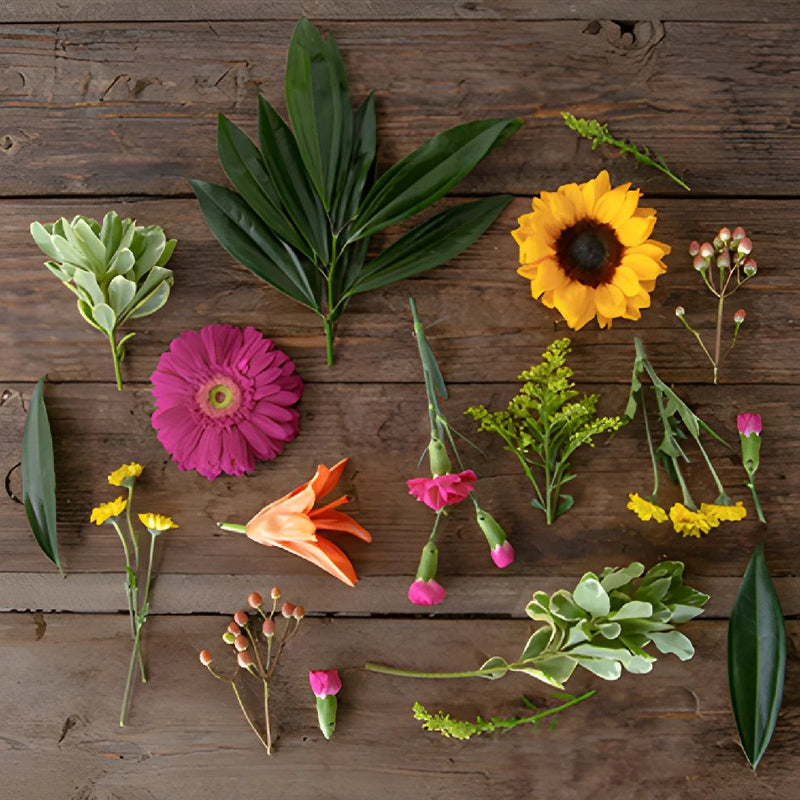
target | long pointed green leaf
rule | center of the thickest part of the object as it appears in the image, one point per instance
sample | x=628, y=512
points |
x=756, y=658
x=432, y=243
x=244, y=167
x=39, y=477
x=290, y=179
x=318, y=102
x=428, y=173
x=248, y=240
x=362, y=161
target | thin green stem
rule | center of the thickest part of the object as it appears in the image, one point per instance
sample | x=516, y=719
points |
x=432, y=537
x=329, y=340
x=266, y=717
x=131, y=530
x=126, y=697
x=717, y=481
x=267, y=744
x=403, y=673
x=699, y=340
x=539, y=715
x=718, y=335
x=751, y=485
x=231, y=527
x=650, y=447
x=688, y=501
x=115, y=356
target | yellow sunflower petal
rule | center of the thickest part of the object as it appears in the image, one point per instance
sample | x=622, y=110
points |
x=626, y=280
x=610, y=301
x=611, y=204
x=635, y=230
x=651, y=248
x=534, y=248
x=576, y=304
x=642, y=265
x=549, y=277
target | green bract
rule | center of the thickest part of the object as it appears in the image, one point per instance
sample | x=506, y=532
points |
x=605, y=624
x=116, y=269
x=543, y=427
x=307, y=202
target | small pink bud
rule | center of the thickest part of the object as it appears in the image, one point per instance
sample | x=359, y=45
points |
x=245, y=659
x=739, y=316
x=706, y=250
x=228, y=637
x=750, y=267
x=275, y=593
x=254, y=600
x=287, y=609
x=205, y=658
x=503, y=554
x=268, y=628
x=700, y=263
x=426, y=593
x=298, y=613
x=745, y=246
x=680, y=311
x=241, y=643
x=725, y=234
x=324, y=682
x=738, y=233
x=724, y=260
x=234, y=629
x=241, y=618
x=749, y=424
x=694, y=247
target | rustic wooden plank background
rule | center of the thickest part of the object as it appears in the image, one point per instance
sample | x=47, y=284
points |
x=112, y=105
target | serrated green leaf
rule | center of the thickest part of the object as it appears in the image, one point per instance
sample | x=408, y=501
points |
x=592, y=597
x=427, y=174
x=756, y=658
x=38, y=476
x=430, y=244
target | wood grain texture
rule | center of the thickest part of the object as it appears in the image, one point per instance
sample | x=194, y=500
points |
x=107, y=97
x=186, y=736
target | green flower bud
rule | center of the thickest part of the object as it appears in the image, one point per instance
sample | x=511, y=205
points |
x=428, y=562
x=437, y=455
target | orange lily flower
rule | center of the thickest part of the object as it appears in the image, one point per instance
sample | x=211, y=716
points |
x=292, y=522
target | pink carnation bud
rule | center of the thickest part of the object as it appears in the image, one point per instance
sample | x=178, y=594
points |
x=234, y=629
x=245, y=659
x=442, y=490
x=706, y=250
x=324, y=682
x=205, y=658
x=426, y=593
x=299, y=612
x=739, y=316
x=738, y=233
x=725, y=234
x=749, y=424
x=241, y=643
x=694, y=247
x=503, y=554
x=745, y=246
x=680, y=311
x=241, y=618
x=287, y=609
x=275, y=593
x=268, y=628
x=254, y=600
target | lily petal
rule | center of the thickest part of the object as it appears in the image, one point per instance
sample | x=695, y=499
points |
x=325, y=555
x=328, y=520
x=325, y=479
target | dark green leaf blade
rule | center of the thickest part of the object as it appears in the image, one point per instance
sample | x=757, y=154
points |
x=318, y=102
x=432, y=243
x=243, y=165
x=362, y=162
x=290, y=179
x=756, y=658
x=250, y=242
x=428, y=173
x=39, y=477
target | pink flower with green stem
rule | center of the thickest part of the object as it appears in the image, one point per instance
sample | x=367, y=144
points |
x=749, y=426
x=326, y=684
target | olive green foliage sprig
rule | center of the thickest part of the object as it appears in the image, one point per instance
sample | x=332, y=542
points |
x=599, y=134
x=451, y=728
x=544, y=424
x=604, y=625
x=115, y=268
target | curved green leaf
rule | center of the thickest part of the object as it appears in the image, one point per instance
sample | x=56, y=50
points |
x=591, y=596
x=498, y=667
x=288, y=175
x=150, y=304
x=120, y=293
x=430, y=244
x=105, y=317
x=756, y=658
x=250, y=242
x=362, y=162
x=38, y=476
x=429, y=173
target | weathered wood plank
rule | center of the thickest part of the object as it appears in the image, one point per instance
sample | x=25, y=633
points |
x=478, y=313
x=722, y=115
x=382, y=428
x=668, y=735
x=155, y=10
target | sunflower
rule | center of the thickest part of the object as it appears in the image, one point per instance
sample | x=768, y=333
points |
x=586, y=251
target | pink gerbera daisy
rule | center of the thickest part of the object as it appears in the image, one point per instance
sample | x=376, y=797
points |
x=223, y=399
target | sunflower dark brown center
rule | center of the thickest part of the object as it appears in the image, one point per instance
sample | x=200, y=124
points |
x=589, y=252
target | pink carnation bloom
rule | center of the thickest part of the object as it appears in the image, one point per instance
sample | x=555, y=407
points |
x=223, y=399
x=749, y=424
x=442, y=490
x=426, y=593
x=324, y=682
x=503, y=554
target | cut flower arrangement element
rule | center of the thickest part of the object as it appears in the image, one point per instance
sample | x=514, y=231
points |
x=117, y=514
x=224, y=398
x=587, y=253
x=543, y=426
x=604, y=625
x=307, y=203
x=749, y=426
x=117, y=270
x=445, y=488
x=292, y=523
x=677, y=421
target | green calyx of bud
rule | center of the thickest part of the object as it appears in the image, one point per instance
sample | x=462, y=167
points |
x=751, y=449
x=437, y=455
x=326, y=714
x=494, y=534
x=428, y=562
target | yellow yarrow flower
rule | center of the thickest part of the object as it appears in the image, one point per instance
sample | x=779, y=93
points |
x=118, y=476
x=646, y=510
x=724, y=513
x=156, y=522
x=105, y=511
x=691, y=523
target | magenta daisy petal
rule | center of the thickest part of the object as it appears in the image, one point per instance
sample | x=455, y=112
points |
x=224, y=398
